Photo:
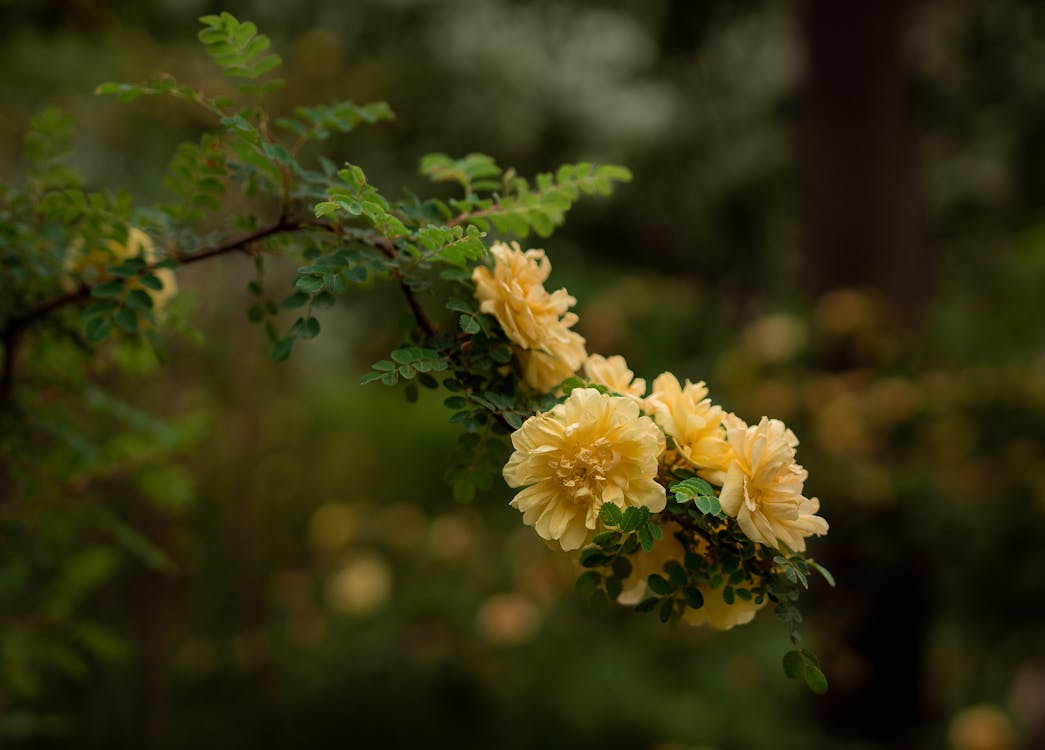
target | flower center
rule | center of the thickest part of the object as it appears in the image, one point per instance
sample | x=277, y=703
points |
x=583, y=471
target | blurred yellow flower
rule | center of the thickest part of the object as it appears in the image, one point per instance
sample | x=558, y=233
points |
x=89, y=266
x=613, y=373
x=763, y=485
x=687, y=415
x=715, y=612
x=588, y=450
x=644, y=564
x=720, y=615
x=536, y=321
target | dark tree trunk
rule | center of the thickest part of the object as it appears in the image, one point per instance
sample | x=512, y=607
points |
x=857, y=145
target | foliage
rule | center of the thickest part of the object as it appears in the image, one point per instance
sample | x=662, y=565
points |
x=78, y=289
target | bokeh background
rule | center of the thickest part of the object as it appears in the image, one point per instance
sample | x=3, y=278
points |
x=837, y=219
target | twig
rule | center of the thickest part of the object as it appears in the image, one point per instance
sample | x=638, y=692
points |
x=14, y=328
x=423, y=321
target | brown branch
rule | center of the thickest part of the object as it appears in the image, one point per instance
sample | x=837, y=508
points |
x=423, y=321
x=14, y=328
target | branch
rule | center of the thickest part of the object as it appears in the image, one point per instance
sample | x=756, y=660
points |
x=423, y=322
x=14, y=328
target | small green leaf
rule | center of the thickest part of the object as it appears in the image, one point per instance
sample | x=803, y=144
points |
x=282, y=349
x=633, y=518
x=588, y=582
x=645, y=538
x=610, y=514
x=614, y=586
x=294, y=301
x=814, y=678
x=593, y=557
x=108, y=289
x=658, y=584
x=728, y=595
x=666, y=609
x=647, y=605
x=676, y=573
x=694, y=598
x=139, y=299
x=97, y=330
x=126, y=319
x=824, y=572
x=308, y=284
x=151, y=281
x=469, y=324
x=622, y=567
x=606, y=539
x=793, y=664
x=310, y=328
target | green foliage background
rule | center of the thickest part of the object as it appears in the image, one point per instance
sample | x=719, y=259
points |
x=245, y=554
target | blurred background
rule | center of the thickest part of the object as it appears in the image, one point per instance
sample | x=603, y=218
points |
x=837, y=219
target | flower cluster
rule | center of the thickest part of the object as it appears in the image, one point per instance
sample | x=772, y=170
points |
x=609, y=443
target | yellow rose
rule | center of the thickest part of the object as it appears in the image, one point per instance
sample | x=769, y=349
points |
x=688, y=416
x=613, y=373
x=588, y=450
x=536, y=322
x=763, y=485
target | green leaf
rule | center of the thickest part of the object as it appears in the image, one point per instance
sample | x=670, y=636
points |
x=588, y=582
x=676, y=573
x=138, y=299
x=645, y=538
x=295, y=300
x=658, y=584
x=310, y=328
x=97, y=330
x=728, y=595
x=127, y=320
x=824, y=572
x=151, y=281
x=610, y=514
x=814, y=678
x=794, y=664
x=694, y=597
x=647, y=605
x=469, y=324
x=622, y=567
x=606, y=539
x=108, y=289
x=633, y=518
x=308, y=284
x=282, y=348
x=666, y=609
x=593, y=557
x=614, y=586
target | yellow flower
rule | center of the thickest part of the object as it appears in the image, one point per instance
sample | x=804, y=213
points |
x=644, y=564
x=763, y=485
x=687, y=415
x=715, y=612
x=613, y=373
x=718, y=614
x=536, y=322
x=588, y=450
x=89, y=266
